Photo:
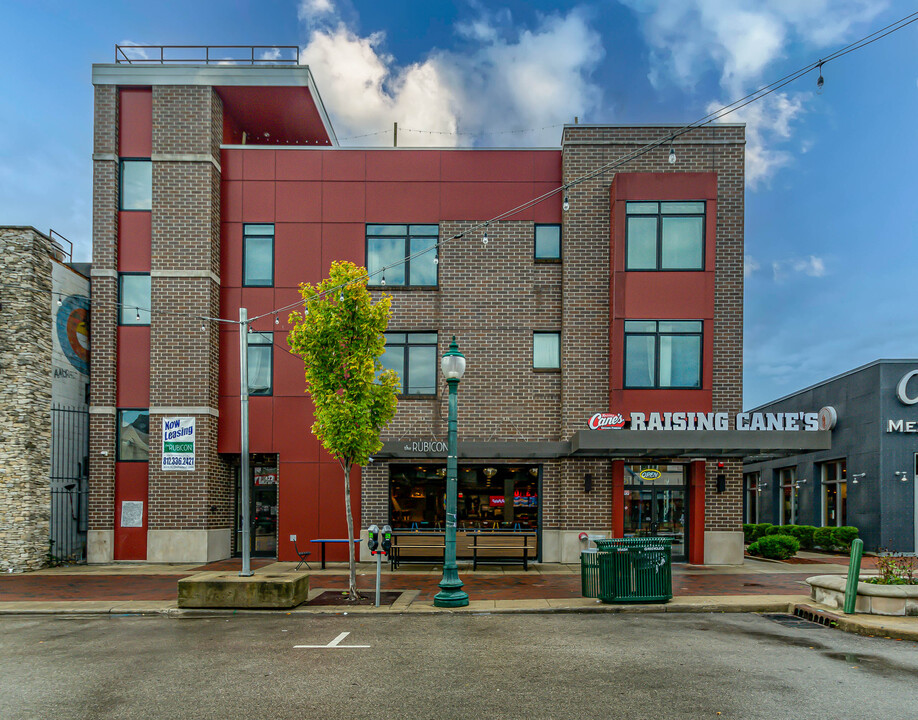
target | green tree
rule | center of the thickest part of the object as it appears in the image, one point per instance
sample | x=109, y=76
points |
x=340, y=338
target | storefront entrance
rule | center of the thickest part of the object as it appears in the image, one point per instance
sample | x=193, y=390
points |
x=655, y=504
x=262, y=507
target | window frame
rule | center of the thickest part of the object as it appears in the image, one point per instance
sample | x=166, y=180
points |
x=248, y=364
x=536, y=368
x=659, y=215
x=121, y=306
x=656, y=334
x=841, y=464
x=118, y=425
x=535, y=236
x=245, y=238
x=404, y=376
x=791, y=472
x=121, y=161
x=752, y=485
x=376, y=283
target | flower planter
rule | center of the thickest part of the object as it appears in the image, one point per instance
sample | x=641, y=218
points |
x=871, y=599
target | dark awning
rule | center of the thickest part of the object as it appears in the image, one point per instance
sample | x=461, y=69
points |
x=697, y=443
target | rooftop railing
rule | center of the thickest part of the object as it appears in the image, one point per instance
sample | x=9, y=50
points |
x=208, y=54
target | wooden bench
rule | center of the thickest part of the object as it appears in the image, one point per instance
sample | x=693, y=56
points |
x=513, y=547
x=416, y=547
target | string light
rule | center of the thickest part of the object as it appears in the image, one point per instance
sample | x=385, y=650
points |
x=383, y=281
x=820, y=81
x=484, y=238
x=566, y=205
x=59, y=301
x=138, y=314
x=672, y=155
x=276, y=319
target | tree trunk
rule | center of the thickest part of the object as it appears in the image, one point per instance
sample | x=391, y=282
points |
x=352, y=564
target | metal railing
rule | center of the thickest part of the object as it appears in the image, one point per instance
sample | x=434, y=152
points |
x=69, y=484
x=208, y=54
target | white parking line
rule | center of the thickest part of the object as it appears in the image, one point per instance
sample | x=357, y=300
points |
x=334, y=643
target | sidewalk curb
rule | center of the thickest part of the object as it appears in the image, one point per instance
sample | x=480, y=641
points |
x=857, y=624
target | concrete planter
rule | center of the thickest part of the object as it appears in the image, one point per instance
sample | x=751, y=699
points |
x=229, y=590
x=871, y=599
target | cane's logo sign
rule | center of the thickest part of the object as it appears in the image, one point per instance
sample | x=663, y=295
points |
x=607, y=421
x=902, y=389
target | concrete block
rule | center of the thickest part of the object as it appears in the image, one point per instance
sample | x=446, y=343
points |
x=723, y=547
x=229, y=590
x=198, y=546
x=100, y=546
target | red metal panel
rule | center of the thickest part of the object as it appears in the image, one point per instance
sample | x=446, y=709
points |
x=332, y=520
x=484, y=200
x=669, y=295
x=344, y=165
x=298, y=248
x=135, y=239
x=231, y=200
x=231, y=164
x=627, y=401
x=258, y=164
x=488, y=165
x=343, y=202
x=343, y=241
x=548, y=211
x=546, y=166
x=696, y=513
x=228, y=425
x=133, y=378
x=289, y=378
x=261, y=424
x=229, y=361
x=257, y=300
x=135, y=122
x=394, y=202
x=293, y=437
x=258, y=202
x=298, y=202
x=298, y=164
x=298, y=499
x=130, y=485
x=618, y=498
x=665, y=186
x=231, y=254
x=403, y=165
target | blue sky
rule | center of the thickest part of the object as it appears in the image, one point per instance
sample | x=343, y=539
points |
x=831, y=210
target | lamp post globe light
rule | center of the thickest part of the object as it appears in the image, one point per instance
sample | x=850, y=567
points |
x=451, y=594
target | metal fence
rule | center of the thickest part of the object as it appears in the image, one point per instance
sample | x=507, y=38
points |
x=208, y=54
x=69, y=486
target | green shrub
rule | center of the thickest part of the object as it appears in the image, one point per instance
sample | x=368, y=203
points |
x=843, y=536
x=776, y=530
x=748, y=530
x=803, y=533
x=776, y=547
x=760, y=530
x=824, y=537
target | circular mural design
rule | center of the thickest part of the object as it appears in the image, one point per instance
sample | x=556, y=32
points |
x=73, y=331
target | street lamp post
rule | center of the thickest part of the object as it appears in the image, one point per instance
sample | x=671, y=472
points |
x=451, y=594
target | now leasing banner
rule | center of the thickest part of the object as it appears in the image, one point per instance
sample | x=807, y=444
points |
x=178, y=443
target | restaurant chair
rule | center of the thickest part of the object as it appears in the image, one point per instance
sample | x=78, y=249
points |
x=303, y=555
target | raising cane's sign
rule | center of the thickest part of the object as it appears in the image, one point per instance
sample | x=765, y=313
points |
x=789, y=421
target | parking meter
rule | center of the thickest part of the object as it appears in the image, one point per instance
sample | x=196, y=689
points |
x=386, y=539
x=373, y=538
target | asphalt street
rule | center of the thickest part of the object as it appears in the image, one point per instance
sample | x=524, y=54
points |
x=494, y=666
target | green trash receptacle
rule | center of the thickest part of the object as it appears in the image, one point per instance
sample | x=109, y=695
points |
x=589, y=573
x=635, y=570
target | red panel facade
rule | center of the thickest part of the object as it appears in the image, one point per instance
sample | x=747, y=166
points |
x=135, y=122
x=130, y=543
x=133, y=384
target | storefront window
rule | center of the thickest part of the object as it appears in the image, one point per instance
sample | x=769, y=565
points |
x=834, y=493
x=752, y=497
x=262, y=507
x=655, y=503
x=788, y=481
x=499, y=497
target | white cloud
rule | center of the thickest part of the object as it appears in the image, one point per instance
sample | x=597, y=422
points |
x=750, y=265
x=311, y=9
x=740, y=40
x=506, y=79
x=811, y=266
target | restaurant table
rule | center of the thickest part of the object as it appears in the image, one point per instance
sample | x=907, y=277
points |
x=323, y=541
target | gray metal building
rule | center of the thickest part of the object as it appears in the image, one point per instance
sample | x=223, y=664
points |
x=868, y=478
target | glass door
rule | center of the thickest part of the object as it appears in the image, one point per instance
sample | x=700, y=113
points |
x=262, y=507
x=655, y=504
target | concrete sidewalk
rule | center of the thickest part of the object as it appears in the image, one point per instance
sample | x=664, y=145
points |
x=146, y=589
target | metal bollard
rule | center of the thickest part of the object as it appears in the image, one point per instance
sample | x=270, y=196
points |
x=854, y=575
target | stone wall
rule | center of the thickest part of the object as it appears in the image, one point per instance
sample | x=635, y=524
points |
x=25, y=398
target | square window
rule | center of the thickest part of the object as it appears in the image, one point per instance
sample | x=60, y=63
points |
x=402, y=255
x=258, y=256
x=547, y=242
x=414, y=357
x=133, y=435
x=134, y=299
x=260, y=363
x=663, y=354
x=664, y=236
x=136, y=185
x=546, y=351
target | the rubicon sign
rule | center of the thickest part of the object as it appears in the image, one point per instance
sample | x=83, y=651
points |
x=607, y=421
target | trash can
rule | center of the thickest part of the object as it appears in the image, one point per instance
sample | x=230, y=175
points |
x=589, y=573
x=635, y=570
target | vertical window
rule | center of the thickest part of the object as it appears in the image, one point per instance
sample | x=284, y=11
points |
x=547, y=242
x=546, y=350
x=752, y=497
x=136, y=185
x=663, y=353
x=260, y=361
x=787, y=479
x=414, y=357
x=834, y=493
x=664, y=236
x=133, y=435
x=257, y=255
x=402, y=255
x=134, y=299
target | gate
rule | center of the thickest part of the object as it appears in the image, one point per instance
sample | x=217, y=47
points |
x=69, y=488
